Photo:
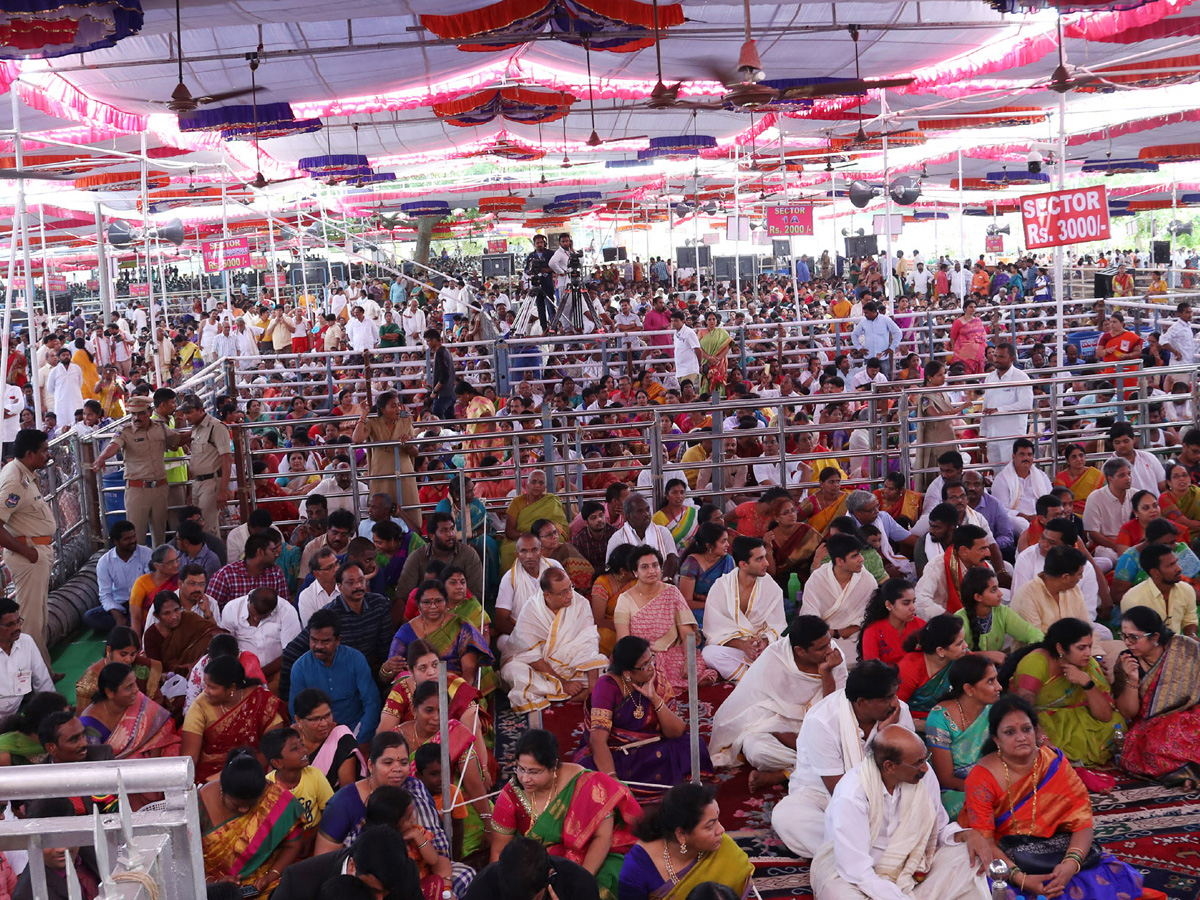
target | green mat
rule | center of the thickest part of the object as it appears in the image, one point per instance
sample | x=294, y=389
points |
x=73, y=656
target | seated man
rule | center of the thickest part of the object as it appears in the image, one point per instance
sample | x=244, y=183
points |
x=553, y=653
x=1107, y=509
x=942, y=519
x=639, y=530
x=839, y=593
x=1017, y=485
x=1055, y=594
x=937, y=591
x=1164, y=591
x=744, y=611
x=1061, y=533
x=341, y=672
x=864, y=507
x=1046, y=507
x=761, y=718
x=886, y=823
x=1129, y=572
x=836, y=732
x=264, y=626
x=519, y=586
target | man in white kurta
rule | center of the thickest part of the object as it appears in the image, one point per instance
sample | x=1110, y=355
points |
x=554, y=652
x=762, y=717
x=639, y=530
x=886, y=824
x=939, y=583
x=1017, y=486
x=519, y=586
x=839, y=592
x=743, y=612
x=833, y=738
x=1007, y=402
x=65, y=385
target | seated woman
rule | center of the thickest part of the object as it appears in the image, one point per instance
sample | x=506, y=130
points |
x=656, y=611
x=677, y=515
x=1128, y=571
x=465, y=699
x=682, y=845
x=478, y=534
x=925, y=668
x=1062, y=680
x=331, y=748
x=957, y=727
x=163, y=576
x=607, y=587
x=827, y=502
x=898, y=501
x=790, y=544
x=346, y=811
x=1015, y=775
x=1078, y=477
x=574, y=563
x=634, y=733
x=988, y=622
x=121, y=716
x=704, y=561
x=122, y=646
x=525, y=509
x=394, y=807
x=457, y=642
x=19, y=744
x=178, y=637
x=251, y=829
x=234, y=711
x=1180, y=502
x=584, y=816
x=890, y=620
x=1157, y=688
x=1145, y=510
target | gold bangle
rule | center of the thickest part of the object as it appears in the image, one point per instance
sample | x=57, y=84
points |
x=661, y=704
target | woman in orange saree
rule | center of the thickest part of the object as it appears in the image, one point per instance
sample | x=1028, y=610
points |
x=1078, y=477
x=585, y=816
x=826, y=503
x=234, y=711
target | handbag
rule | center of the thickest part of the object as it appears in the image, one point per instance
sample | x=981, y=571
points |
x=1041, y=856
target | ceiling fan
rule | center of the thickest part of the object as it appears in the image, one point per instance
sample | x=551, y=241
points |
x=259, y=181
x=182, y=100
x=31, y=175
x=594, y=139
x=1064, y=80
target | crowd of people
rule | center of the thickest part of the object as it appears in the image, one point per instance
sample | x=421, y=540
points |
x=892, y=651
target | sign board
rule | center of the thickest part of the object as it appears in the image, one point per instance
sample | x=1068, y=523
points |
x=880, y=224
x=17, y=283
x=737, y=228
x=139, y=289
x=259, y=262
x=499, y=245
x=1058, y=218
x=93, y=284
x=57, y=284
x=711, y=238
x=994, y=243
x=274, y=280
x=786, y=221
x=229, y=253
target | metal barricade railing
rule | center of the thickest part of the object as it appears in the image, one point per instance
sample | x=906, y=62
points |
x=135, y=852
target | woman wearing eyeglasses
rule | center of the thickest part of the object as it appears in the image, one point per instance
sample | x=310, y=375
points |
x=331, y=748
x=634, y=733
x=1157, y=690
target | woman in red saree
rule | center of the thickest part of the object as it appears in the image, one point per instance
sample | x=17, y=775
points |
x=234, y=711
x=898, y=501
x=422, y=662
x=582, y=815
x=1155, y=688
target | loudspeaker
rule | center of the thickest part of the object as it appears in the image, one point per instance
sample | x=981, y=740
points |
x=781, y=249
x=866, y=245
x=1162, y=253
x=498, y=265
x=341, y=272
x=685, y=257
x=1102, y=287
x=313, y=274
x=748, y=266
x=723, y=268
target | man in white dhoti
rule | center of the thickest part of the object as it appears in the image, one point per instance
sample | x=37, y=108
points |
x=937, y=589
x=839, y=592
x=886, y=825
x=65, y=385
x=518, y=586
x=639, y=530
x=833, y=738
x=554, y=652
x=762, y=717
x=1017, y=486
x=743, y=612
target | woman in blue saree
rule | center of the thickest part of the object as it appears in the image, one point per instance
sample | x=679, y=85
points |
x=957, y=728
x=925, y=667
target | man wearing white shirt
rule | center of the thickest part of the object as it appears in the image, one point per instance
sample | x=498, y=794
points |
x=246, y=337
x=1018, y=485
x=1007, y=401
x=864, y=378
x=886, y=823
x=519, y=586
x=639, y=530
x=920, y=279
x=835, y=734
x=262, y=625
x=361, y=333
x=1179, y=339
x=950, y=468
x=412, y=323
x=1031, y=561
x=14, y=402
x=22, y=669
x=324, y=587
x=1146, y=468
x=688, y=354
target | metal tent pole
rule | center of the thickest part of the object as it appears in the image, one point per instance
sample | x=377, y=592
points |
x=34, y=375
x=159, y=375
x=106, y=304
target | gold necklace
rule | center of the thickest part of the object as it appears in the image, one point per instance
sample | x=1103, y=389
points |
x=1008, y=789
x=638, y=709
x=529, y=803
x=671, y=868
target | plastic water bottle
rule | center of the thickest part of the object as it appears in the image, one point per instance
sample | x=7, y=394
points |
x=793, y=587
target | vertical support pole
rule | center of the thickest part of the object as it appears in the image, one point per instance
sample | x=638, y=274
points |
x=1060, y=317
x=30, y=307
x=693, y=707
x=160, y=376
x=444, y=732
x=106, y=306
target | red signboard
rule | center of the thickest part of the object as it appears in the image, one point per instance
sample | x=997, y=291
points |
x=17, y=283
x=1057, y=218
x=274, y=280
x=994, y=243
x=139, y=289
x=499, y=245
x=57, y=284
x=93, y=284
x=222, y=255
x=794, y=219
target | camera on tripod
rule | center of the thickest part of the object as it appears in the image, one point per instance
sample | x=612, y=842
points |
x=575, y=266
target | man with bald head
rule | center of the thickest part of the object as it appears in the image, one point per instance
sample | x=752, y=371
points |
x=520, y=586
x=885, y=824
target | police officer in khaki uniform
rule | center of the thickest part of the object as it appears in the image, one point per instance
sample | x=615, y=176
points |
x=210, y=460
x=143, y=444
x=28, y=533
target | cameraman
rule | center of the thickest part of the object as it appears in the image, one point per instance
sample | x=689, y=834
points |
x=541, y=279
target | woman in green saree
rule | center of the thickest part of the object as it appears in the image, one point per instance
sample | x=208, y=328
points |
x=459, y=643
x=19, y=744
x=925, y=668
x=683, y=845
x=582, y=815
x=677, y=515
x=526, y=509
x=715, y=344
x=957, y=728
